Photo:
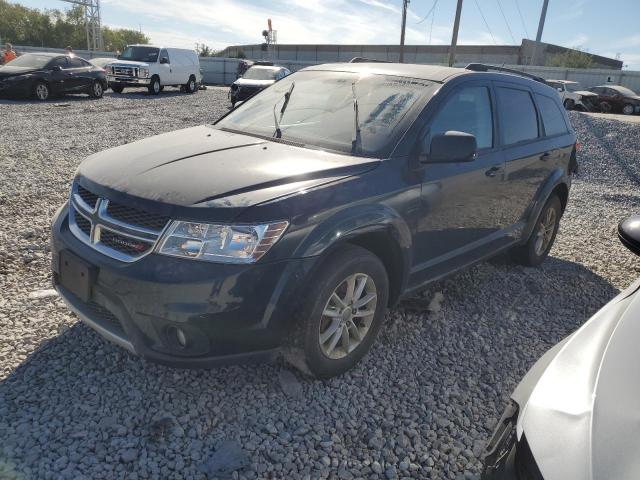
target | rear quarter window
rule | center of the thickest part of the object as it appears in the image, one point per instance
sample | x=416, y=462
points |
x=552, y=117
x=517, y=114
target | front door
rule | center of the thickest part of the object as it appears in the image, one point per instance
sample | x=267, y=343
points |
x=164, y=69
x=460, y=202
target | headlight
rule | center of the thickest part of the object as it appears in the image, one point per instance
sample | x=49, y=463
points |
x=143, y=72
x=220, y=243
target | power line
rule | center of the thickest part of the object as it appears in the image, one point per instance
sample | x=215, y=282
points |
x=506, y=21
x=485, y=22
x=524, y=25
x=433, y=17
x=429, y=13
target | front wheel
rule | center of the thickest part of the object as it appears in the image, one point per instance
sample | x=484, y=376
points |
x=96, y=90
x=42, y=91
x=628, y=109
x=343, y=312
x=544, y=233
x=569, y=104
x=117, y=88
x=154, y=87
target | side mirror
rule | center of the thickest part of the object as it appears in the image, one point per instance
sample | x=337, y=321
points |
x=629, y=233
x=57, y=68
x=450, y=147
x=164, y=60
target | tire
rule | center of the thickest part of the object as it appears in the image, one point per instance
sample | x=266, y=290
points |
x=96, y=90
x=42, y=91
x=628, y=109
x=117, y=89
x=534, y=252
x=569, y=104
x=320, y=339
x=154, y=87
x=191, y=86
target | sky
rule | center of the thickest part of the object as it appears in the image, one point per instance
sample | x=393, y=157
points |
x=606, y=28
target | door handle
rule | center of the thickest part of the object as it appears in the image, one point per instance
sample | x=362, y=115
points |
x=545, y=156
x=493, y=171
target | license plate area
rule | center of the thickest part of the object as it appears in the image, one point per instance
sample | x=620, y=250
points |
x=76, y=275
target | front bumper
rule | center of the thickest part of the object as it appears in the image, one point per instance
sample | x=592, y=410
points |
x=15, y=89
x=226, y=313
x=241, y=94
x=128, y=81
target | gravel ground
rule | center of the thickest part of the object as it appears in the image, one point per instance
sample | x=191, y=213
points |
x=420, y=406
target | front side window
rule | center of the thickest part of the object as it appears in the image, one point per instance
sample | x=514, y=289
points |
x=468, y=111
x=517, y=114
x=552, y=117
x=164, y=54
x=320, y=110
x=140, y=54
x=61, y=62
x=75, y=62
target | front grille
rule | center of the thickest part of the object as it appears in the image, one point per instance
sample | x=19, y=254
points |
x=123, y=71
x=116, y=230
x=87, y=197
x=83, y=224
x=133, y=216
x=124, y=244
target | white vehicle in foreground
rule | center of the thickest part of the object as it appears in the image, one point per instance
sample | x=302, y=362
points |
x=155, y=68
x=575, y=415
x=572, y=97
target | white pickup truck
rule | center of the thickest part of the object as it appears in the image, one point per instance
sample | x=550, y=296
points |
x=572, y=97
x=155, y=67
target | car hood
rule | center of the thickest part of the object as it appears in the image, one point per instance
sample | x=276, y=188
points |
x=128, y=63
x=247, y=82
x=13, y=71
x=208, y=167
x=583, y=416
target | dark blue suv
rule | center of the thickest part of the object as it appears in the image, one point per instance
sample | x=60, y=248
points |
x=294, y=222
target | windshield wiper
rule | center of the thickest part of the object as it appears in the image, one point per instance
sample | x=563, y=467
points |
x=356, y=138
x=287, y=97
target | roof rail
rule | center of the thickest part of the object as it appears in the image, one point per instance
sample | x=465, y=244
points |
x=366, y=60
x=481, y=67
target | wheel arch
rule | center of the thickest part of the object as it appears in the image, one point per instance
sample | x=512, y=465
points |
x=557, y=183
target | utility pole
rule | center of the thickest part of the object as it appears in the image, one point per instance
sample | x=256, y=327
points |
x=543, y=16
x=405, y=5
x=454, y=38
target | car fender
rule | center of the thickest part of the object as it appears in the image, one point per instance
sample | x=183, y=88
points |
x=557, y=177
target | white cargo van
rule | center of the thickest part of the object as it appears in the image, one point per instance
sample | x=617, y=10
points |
x=155, y=68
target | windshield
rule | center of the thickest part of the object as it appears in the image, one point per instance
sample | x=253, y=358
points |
x=573, y=87
x=320, y=111
x=257, y=73
x=140, y=54
x=625, y=91
x=30, y=61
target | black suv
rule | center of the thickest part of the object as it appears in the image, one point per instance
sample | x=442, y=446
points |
x=291, y=224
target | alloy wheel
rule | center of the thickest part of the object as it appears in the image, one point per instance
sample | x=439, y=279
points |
x=42, y=91
x=546, y=229
x=347, y=316
x=627, y=109
x=97, y=89
x=192, y=86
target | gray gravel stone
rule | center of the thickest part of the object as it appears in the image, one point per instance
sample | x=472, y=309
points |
x=427, y=396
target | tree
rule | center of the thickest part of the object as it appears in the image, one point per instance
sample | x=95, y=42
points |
x=57, y=29
x=570, y=58
x=204, y=50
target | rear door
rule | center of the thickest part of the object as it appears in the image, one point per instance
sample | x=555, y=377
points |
x=460, y=201
x=527, y=161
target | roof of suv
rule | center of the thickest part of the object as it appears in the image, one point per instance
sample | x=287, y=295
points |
x=435, y=73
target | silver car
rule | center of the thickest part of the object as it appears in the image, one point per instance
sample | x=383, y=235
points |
x=576, y=413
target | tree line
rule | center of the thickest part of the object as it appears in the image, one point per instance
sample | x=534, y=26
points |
x=54, y=28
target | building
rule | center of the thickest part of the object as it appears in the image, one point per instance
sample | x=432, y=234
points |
x=434, y=54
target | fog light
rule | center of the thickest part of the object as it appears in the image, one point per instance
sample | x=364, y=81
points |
x=181, y=337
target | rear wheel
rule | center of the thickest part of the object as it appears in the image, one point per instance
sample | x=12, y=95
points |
x=343, y=312
x=544, y=233
x=628, y=109
x=191, y=86
x=42, y=91
x=96, y=90
x=154, y=87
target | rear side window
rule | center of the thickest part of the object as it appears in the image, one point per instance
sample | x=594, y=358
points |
x=552, y=117
x=75, y=62
x=518, y=117
x=469, y=111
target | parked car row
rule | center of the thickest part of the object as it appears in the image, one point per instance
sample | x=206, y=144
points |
x=43, y=75
x=602, y=98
